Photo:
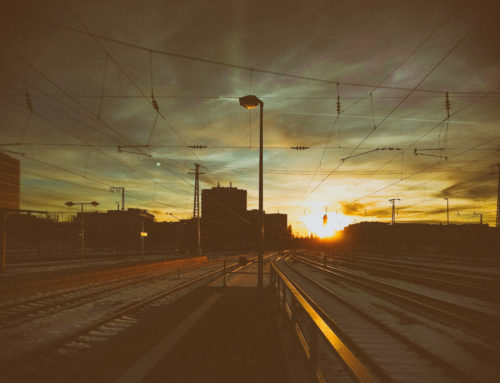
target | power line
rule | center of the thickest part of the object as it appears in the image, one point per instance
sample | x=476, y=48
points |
x=154, y=102
x=235, y=66
x=469, y=32
x=58, y=126
x=53, y=83
x=430, y=167
x=99, y=150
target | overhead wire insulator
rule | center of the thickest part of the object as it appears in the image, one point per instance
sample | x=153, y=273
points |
x=299, y=147
x=155, y=104
x=197, y=146
x=338, y=105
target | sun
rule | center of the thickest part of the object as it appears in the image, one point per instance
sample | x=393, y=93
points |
x=314, y=223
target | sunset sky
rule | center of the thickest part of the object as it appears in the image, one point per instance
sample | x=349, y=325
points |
x=90, y=68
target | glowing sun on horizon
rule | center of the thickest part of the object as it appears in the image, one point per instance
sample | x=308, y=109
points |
x=314, y=223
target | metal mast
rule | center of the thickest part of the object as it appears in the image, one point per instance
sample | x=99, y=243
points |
x=196, y=205
x=498, y=199
x=447, y=211
x=393, y=201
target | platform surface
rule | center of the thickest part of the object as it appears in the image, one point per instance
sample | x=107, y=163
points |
x=234, y=341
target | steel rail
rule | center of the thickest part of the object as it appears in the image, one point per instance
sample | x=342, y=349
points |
x=280, y=283
x=467, y=317
x=71, y=299
x=457, y=374
x=472, y=276
x=474, y=287
x=125, y=272
x=45, y=349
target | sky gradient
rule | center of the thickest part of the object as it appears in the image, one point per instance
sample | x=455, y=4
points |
x=90, y=70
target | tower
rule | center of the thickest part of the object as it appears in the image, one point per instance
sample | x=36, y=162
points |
x=196, y=205
x=393, y=201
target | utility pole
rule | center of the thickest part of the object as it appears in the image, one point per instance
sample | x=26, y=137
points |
x=196, y=206
x=480, y=217
x=447, y=209
x=118, y=189
x=142, y=239
x=3, y=238
x=498, y=199
x=393, y=201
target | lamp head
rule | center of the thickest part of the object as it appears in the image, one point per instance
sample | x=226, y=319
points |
x=94, y=203
x=69, y=204
x=250, y=102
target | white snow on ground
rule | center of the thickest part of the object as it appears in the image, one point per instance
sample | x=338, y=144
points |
x=31, y=334
x=458, y=348
x=473, y=303
x=48, y=266
x=448, y=264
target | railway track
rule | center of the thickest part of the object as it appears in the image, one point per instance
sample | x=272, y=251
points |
x=117, y=313
x=14, y=314
x=481, y=323
x=395, y=355
x=480, y=285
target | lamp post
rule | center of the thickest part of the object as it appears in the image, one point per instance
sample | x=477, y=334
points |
x=251, y=102
x=447, y=211
x=82, y=232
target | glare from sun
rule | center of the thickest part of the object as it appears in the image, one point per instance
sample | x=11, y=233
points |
x=314, y=223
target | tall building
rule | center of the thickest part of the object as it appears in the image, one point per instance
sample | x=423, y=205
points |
x=223, y=204
x=223, y=216
x=10, y=188
x=228, y=225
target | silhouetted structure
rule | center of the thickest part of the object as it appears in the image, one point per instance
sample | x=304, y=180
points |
x=468, y=241
x=227, y=225
x=275, y=228
x=196, y=207
x=115, y=228
x=498, y=199
x=10, y=188
x=223, y=212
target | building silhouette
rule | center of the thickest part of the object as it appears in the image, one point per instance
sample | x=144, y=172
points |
x=223, y=218
x=228, y=225
x=10, y=187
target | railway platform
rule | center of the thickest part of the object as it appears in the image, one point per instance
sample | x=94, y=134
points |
x=224, y=331
x=232, y=336
x=233, y=339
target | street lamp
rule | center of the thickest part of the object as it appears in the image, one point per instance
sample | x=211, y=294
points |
x=447, y=211
x=251, y=102
x=69, y=204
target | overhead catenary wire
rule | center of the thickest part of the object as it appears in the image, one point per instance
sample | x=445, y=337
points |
x=414, y=143
x=379, y=85
x=104, y=153
x=430, y=167
x=67, y=131
x=101, y=98
x=53, y=83
x=436, y=65
x=237, y=66
x=212, y=147
x=129, y=78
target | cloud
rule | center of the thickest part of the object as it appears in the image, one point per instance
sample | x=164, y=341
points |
x=352, y=208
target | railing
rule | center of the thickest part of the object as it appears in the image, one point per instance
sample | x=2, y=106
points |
x=310, y=329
